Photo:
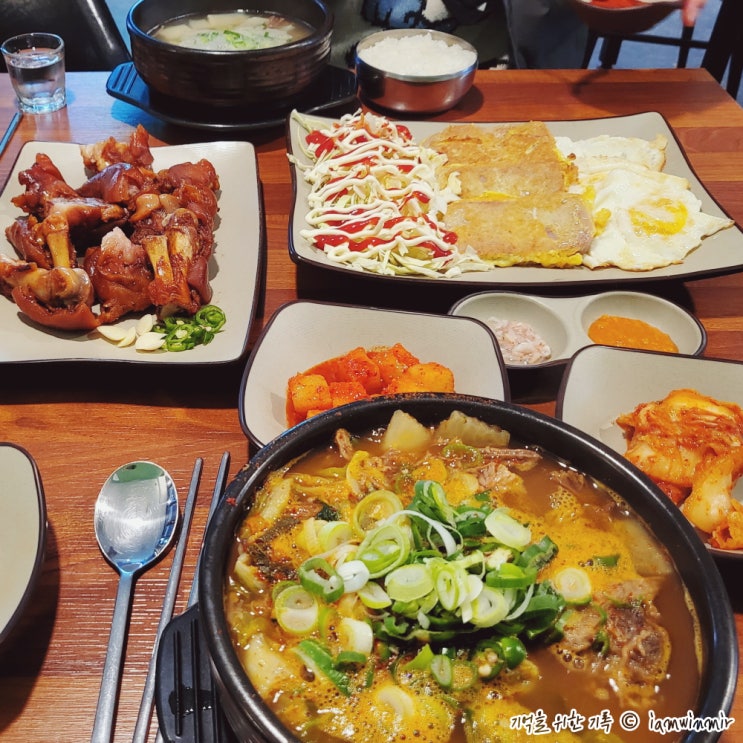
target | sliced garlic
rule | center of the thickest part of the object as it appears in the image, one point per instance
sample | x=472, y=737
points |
x=149, y=341
x=145, y=324
x=128, y=339
x=114, y=333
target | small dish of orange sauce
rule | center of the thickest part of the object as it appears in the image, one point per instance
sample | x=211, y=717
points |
x=629, y=332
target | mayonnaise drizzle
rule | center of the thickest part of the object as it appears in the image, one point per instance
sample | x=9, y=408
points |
x=375, y=203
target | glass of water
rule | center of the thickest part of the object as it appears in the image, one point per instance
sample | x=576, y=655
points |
x=35, y=63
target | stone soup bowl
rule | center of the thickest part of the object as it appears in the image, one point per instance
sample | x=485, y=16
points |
x=251, y=718
x=208, y=77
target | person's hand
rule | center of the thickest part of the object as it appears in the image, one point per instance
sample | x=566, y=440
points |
x=690, y=11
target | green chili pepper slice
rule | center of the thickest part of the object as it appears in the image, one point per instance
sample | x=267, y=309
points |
x=212, y=317
x=185, y=333
x=421, y=661
x=606, y=561
x=442, y=670
x=512, y=651
x=321, y=660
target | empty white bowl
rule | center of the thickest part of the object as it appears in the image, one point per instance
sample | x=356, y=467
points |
x=22, y=533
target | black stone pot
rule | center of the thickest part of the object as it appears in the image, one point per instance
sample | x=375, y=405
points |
x=251, y=719
x=257, y=77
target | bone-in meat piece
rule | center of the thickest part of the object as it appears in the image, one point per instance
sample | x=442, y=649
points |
x=56, y=297
x=121, y=275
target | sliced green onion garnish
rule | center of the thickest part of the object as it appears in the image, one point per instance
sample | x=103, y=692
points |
x=491, y=606
x=355, y=575
x=320, y=578
x=507, y=530
x=429, y=497
x=474, y=586
x=374, y=508
x=355, y=635
x=606, y=561
x=384, y=549
x=374, y=596
x=509, y=575
x=334, y=533
x=296, y=610
x=437, y=585
x=516, y=612
x=447, y=540
x=395, y=626
x=543, y=610
x=574, y=585
x=408, y=582
x=450, y=581
x=350, y=658
x=537, y=555
x=281, y=586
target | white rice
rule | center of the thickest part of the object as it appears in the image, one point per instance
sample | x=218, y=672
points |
x=519, y=342
x=418, y=55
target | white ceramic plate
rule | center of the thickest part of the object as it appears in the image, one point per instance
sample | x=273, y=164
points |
x=563, y=322
x=302, y=334
x=601, y=383
x=22, y=533
x=720, y=253
x=234, y=267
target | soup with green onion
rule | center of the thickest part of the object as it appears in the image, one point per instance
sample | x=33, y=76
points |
x=445, y=584
x=233, y=31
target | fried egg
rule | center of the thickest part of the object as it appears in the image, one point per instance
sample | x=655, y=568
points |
x=605, y=152
x=644, y=218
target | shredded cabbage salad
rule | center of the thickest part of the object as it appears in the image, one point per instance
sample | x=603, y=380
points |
x=375, y=203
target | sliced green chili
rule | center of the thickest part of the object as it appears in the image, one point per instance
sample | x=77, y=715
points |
x=462, y=452
x=421, y=661
x=350, y=658
x=464, y=675
x=512, y=651
x=185, y=333
x=509, y=575
x=212, y=317
x=606, y=561
x=442, y=669
x=319, y=657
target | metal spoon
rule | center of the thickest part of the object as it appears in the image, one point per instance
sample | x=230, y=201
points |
x=135, y=518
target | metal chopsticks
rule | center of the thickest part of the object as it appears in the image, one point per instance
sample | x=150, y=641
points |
x=216, y=496
x=10, y=131
x=219, y=486
x=145, y=707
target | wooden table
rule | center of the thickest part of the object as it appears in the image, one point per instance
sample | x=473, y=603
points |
x=81, y=421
